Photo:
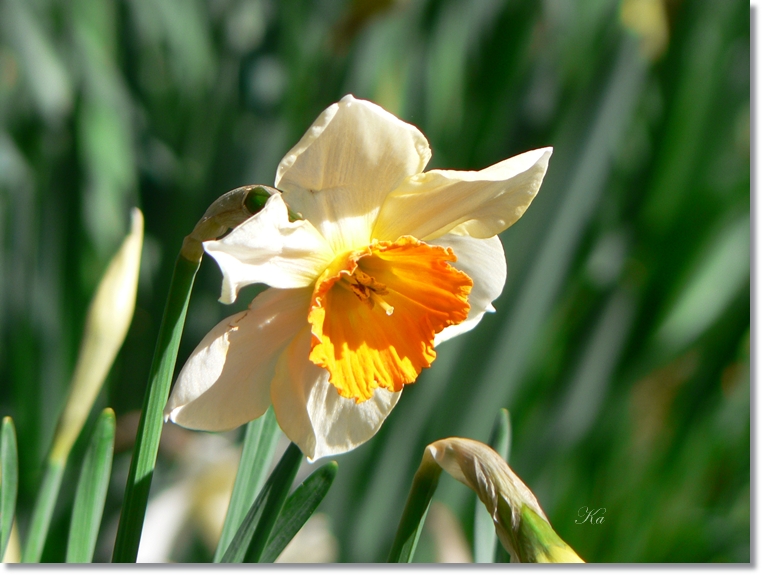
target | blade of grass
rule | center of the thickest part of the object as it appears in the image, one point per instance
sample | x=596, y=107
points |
x=43, y=510
x=250, y=540
x=91, y=491
x=485, y=538
x=151, y=420
x=9, y=481
x=299, y=507
x=258, y=450
x=414, y=515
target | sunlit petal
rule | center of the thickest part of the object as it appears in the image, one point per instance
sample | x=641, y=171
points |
x=339, y=173
x=226, y=381
x=481, y=204
x=268, y=248
x=484, y=262
x=313, y=414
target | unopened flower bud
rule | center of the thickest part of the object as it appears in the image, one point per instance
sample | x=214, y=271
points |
x=520, y=522
x=227, y=212
x=108, y=320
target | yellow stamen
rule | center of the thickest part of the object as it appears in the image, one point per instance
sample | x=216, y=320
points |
x=384, y=306
x=366, y=288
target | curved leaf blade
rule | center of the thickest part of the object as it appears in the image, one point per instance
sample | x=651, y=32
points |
x=298, y=508
x=91, y=492
x=250, y=539
x=258, y=450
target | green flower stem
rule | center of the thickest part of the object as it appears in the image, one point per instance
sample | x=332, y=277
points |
x=227, y=212
x=149, y=429
x=414, y=515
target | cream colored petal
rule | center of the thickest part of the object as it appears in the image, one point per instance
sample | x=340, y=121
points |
x=481, y=204
x=339, y=173
x=226, y=381
x=311, y=412
x=268, y=248
x=484, y=262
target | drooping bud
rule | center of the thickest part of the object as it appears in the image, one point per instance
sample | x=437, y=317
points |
x=227, y=212
x=520, y=522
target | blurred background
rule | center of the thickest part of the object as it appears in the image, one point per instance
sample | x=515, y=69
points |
x=620, y=343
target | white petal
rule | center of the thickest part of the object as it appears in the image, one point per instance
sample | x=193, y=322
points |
x=311, y=412
x=267, y=248
x=482, y=204
x=339, y=173
x=484, y=262
x=226, y=381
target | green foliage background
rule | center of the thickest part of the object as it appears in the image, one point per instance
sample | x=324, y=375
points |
x=621, y=340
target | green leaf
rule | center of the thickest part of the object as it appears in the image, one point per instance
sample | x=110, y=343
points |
x=500, y=440
x=91, y=491
x=43, y=511
x=298, y=508
x=151, y=420
x=9, y=481
x=485, y=538
x=414, y=515
x=258, y=450
x=250, y=540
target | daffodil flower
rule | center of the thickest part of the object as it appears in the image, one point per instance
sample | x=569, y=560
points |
x=388, y=262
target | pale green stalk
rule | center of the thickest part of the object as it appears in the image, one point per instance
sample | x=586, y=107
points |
x=108, y=320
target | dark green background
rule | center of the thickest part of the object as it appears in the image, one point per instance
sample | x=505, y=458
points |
x=621, y=341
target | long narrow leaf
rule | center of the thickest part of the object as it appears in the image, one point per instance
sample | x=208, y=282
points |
x=43, y=511
x=149, y=430
x=485, y=539
x=91, y=491
x=250, y=540
x=9, y=481
x=299, y=507
x=258, y=450
x=414, y=515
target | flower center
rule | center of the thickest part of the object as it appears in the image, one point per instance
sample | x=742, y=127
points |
x=367, y=289
x=375, y=313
